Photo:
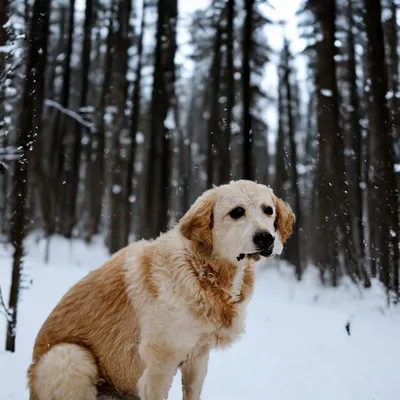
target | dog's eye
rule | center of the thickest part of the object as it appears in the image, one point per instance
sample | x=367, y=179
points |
x=237, y=212
x=268, y=210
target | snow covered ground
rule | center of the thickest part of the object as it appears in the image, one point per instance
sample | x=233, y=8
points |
x=296, y=346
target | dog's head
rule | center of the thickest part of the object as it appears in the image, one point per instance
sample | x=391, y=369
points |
x=241, y=220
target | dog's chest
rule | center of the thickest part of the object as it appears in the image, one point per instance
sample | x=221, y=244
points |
x=226, y=335
x=221, y=336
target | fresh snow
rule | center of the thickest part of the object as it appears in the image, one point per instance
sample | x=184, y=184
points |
x=326, y=92
x=296, y=346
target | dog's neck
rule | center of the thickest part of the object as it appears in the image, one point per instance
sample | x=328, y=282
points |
x=221, y=273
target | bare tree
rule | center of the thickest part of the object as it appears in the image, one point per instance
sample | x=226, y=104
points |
x=72, y=178
x=247, y=49
x=96, y=173
x=287, y=81
x=120, y=94
x=213, y=126
x=3, y=35
x=327, y=120
x=55, y=163
x=384, y=220
x=225, y=153
x=136, y=109
x=155, y=218
x=32, y=101
x=355, y=168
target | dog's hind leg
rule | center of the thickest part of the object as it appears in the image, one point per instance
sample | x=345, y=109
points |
x=65, y=372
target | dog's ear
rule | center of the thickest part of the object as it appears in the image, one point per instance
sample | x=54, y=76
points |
x=197, y=223
x=284, y=219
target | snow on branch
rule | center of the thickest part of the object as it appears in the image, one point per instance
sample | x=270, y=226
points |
x=8, y=153
x=70, y=113
x=6, y=49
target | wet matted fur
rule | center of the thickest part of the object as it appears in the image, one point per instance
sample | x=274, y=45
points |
x=160, y=305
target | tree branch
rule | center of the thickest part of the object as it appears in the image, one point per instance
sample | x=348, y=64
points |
x=3, y=308
x=74, y=115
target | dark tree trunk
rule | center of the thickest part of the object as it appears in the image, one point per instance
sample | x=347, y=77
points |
x=4, y=178
x=382, y=178
x=96, y=163
x=169, y=82
x=53, y=64
x=327, y=121
x=155, y=218
x=57, y=151
x=281, y=175
x=214, y=130
x=225, y=167
x=118, y=188
x=3, y=72
x=136, y=109
x=184, y=171
x=334, y=221
x=393, y=41
x=248, y=172
x=3, y=40
x=293, y=161
x=356, y=162
x=369, y=232
x=73, y=175
x=395, y=104
x=192, y=124
x=30, y=122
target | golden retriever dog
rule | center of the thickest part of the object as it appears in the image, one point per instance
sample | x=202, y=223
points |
x=160, y=305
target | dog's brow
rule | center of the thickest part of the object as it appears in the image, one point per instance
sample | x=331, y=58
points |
x=267, y=205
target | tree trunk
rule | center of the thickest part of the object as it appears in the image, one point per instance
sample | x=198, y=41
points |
x=356, y=162
x=96, y=163
x=118, y=188
x=32, y=100
x=225, y=151
x=293, y=158
x=214, y=131
x=3, y=37
x=192, y=123
x=155, y=218
x=57, y=151
x=382, y=178
x=51, y=84
x=280, y=164
x=395, y=104
x=394, y=66
x=327, y=120
x=136, y=109
x=248, y=172
x=73, y=175
x=4, y=11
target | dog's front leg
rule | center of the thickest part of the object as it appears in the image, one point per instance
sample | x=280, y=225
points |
x=194, y=372
x=161, y=365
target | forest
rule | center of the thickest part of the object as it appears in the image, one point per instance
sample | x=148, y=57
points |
x=104, y=131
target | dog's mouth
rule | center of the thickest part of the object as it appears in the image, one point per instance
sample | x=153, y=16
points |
x=255, y=256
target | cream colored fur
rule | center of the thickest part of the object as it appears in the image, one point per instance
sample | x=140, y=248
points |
x=161, y=305
x=67, y=372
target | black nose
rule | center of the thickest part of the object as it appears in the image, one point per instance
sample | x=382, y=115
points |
x=264, y=241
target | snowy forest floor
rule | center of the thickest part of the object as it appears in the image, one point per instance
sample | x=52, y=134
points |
x=296, y=345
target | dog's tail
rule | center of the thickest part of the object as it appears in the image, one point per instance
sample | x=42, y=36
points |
x=65, y=372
